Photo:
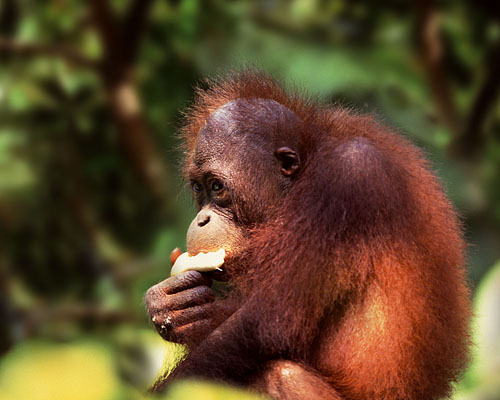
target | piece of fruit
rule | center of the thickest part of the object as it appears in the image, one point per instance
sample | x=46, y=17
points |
x=203, y=262
x=175, y=255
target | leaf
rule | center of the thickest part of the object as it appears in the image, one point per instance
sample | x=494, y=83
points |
x=48, y=371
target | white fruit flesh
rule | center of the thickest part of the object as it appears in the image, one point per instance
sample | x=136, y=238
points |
x=202, y=262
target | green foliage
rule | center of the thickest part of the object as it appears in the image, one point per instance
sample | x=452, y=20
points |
x=81, y=370
x=208, y=391
x=483, y=378
x=83, y=234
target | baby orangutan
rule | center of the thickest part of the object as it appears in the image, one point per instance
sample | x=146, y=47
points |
x=344, y=257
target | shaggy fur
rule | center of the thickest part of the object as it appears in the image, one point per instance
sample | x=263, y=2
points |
x=358, y=276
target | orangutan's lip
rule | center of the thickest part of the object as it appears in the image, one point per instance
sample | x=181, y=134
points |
x=202, y=262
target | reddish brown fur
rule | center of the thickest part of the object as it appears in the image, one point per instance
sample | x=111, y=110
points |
x=358, y=275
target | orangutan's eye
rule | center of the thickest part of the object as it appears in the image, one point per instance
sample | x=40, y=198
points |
x=217, y=186
x=197, y=187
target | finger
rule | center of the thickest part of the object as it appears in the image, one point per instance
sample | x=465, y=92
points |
x=178, y=318
x=182, y=282
x=174, y=255
x=196, y=313
x=183, y=308
x=172, y=292
x=191, y=297
x=164, y=328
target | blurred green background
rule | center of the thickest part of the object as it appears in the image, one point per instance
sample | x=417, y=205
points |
x=91, y=202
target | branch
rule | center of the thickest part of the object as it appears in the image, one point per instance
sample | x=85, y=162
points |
x=134, y=25
x=34, y=319
x=105, y=23
x=485, y=99
x=40, y=49
x=431, y=53
x=123, y=97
